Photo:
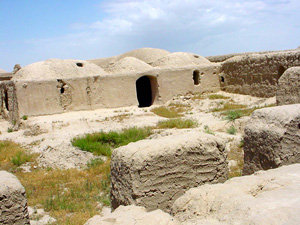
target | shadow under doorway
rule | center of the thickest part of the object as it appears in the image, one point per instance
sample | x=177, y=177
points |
x=144, y=91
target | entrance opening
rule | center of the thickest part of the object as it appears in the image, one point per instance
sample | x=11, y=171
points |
x=6, y=100
x=196, y=77
x=146, y=90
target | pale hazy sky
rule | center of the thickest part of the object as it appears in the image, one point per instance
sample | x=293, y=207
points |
x=36, y=30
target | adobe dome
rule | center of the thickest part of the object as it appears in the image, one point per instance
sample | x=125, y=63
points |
x=58, y=69
x=2, y=71
x=128, y=64
x=148, y=55
x=180, y=59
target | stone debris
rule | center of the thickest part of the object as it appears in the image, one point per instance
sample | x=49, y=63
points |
x=133, y=215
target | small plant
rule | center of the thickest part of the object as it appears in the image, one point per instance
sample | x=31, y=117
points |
x=165, y=112
x=241, y=145
x=231, y=130
x=233, y=115
x=20, y=158
x=177, y=123
x=217, y=96
x=229, y=106
x=9, y=130
x=24, y=117
x=208, y=131
x=94, y=162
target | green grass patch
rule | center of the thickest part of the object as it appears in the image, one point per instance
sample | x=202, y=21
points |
x=102, y=143
x=165, y=112
x=232, y=115
x=177, y=123
x=229, y=106
x=217, y=96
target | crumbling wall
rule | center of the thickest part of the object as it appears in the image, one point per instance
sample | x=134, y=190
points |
x=272, y=138
x=13, y=203
x=154, y=173
x=8, y=102
x=256, y=74
x=288, y=89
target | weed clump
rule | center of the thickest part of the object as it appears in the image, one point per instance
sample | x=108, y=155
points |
x=232, y=130
x=232, y=115
x=208, y=130
x=102, y=143
x=165, y=112
x=177, y=123
x=217, y=96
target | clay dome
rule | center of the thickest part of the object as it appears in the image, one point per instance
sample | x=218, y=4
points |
x=180, y=59
x=58, y=69
x=148, y=55
x=2, y=71
x=128, y=64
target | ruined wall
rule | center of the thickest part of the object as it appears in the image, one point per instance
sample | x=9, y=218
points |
x=256, y=74
x=288, y=89
x=8, y=102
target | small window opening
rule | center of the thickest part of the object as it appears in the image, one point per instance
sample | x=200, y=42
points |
x=196, y=56
x=62, y=90
x=281, y=70
x=222, y=79
x=6, y=100
x=299, y=126
x=79, y=64
x=196, y=77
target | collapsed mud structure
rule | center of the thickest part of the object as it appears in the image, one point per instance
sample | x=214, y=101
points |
x=140, y=77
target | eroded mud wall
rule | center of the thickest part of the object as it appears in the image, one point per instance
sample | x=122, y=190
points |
x=256, y=74
x=177, y=81
x=9, y=103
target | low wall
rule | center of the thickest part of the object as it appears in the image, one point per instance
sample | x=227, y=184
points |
x=256, y=74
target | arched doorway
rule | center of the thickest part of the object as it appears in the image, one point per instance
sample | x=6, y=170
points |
x=146, y=90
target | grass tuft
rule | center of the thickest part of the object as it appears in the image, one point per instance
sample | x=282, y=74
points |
x=231, y=130
x=165, y=112
x=229, y=106
x=177, y=123
x=102, y=143
x=232, y=115
x=217, y=96
x=208, y=131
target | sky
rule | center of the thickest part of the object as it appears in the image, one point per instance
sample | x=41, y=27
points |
x=36, y=30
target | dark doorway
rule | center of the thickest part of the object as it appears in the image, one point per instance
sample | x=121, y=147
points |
x=196, y=77
x=144, y=91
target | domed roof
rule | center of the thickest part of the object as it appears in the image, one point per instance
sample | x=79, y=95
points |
x=2, y=71
x=128, y=64
x=148, y=55
x=58, y=69
x=180, y=59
